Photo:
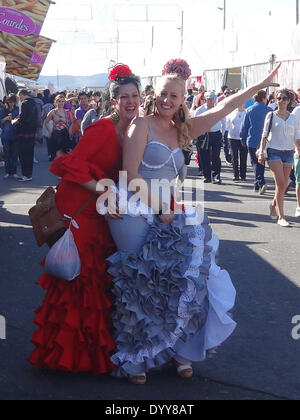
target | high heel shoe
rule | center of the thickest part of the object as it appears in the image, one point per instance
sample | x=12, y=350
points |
x=138, y=379
x=185, y=371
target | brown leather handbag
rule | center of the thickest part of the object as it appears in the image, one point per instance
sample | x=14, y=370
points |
x=47, y=222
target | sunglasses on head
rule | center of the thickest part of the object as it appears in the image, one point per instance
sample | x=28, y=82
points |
x=283, y=98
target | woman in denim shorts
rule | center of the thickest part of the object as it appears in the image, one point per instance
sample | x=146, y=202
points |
x=279, y=137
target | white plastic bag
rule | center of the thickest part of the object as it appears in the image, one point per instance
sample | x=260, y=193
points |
x=63, y=259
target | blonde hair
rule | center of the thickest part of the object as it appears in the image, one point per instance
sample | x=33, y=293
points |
x=58, y=97
x=184, y=128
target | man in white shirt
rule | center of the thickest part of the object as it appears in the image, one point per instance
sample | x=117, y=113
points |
x=239, y=151
x=296, y=112
x=211, y=142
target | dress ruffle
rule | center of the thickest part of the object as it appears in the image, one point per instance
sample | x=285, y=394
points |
x=163, y=297
x=73, y=169
x=75, y=326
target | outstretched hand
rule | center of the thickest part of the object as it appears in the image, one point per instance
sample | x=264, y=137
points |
x=268, y=82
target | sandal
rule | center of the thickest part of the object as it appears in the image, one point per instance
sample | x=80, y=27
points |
x=140, y=379
x=185, y=371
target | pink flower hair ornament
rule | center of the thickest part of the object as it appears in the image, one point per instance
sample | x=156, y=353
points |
x=177, y=66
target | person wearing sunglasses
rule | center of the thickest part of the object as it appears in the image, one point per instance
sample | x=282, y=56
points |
x=280, y=135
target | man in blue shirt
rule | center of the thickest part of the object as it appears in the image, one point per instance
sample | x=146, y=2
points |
x=251, y=135
x=9, y=136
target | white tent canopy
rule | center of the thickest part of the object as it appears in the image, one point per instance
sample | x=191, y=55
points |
x=245, y=49
x=2, y=78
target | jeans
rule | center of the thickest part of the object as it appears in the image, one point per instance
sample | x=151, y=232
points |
x=26, y=155
x=210, y=156
x=239, y=156
x=198, y=145
x=258, y=169
x=10, y=150
x=226, y=147
x=286, y=158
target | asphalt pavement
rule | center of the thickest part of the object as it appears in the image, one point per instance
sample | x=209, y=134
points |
x=259, y=362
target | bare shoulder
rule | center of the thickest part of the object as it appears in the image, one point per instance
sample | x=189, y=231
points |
x=138, y=128
x=140, y=123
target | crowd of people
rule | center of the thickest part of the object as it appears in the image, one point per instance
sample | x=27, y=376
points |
x=144, y=293
x=29, y=118
x=266, y=128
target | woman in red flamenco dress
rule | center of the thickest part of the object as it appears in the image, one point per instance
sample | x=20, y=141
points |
x=74, y=321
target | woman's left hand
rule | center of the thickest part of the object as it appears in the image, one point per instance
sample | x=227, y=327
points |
x=167, y=219
x=268, y=82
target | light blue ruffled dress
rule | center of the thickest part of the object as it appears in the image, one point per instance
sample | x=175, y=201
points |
x=172, y=299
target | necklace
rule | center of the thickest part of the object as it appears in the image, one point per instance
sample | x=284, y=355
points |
x=284, y=116
x=281, y=114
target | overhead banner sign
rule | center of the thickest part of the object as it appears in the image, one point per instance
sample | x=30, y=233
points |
x=21, y=22
x=39, y=57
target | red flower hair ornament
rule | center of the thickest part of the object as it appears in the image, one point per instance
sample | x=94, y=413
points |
x=119, y=71
x=177, y=66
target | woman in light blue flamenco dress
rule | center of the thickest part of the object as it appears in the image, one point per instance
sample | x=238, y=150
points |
x=173, y=301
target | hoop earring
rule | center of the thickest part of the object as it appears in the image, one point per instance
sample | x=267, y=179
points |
x=181, y=114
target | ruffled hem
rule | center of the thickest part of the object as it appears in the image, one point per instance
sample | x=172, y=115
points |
x=167, y=295
x=74, y=326
x=73, y=169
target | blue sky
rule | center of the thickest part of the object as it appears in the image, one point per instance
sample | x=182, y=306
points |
x=86, y=31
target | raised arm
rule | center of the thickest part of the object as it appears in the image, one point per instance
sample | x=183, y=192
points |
x=203, y=123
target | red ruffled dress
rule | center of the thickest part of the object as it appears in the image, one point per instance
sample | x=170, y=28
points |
x=74, y=320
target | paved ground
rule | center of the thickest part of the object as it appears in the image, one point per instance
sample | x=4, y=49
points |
x=259, y=362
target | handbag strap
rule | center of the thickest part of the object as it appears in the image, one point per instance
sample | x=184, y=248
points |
x=270, y=125
x=84, y=206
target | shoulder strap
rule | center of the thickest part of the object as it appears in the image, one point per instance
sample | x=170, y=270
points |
x=84, y=206
x=152, y=134
x=270, y=125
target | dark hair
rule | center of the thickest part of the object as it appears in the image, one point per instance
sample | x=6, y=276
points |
x=223, y=88
x=190, y=91
x=149, y=105
x=80, y=94
x=123, y=81
x=97, y=94
x=11, y=98
x=287, y=93
x=24, y=92
x=46, y=92
x=149, y=88
x=260, y=96
x=113, y=92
